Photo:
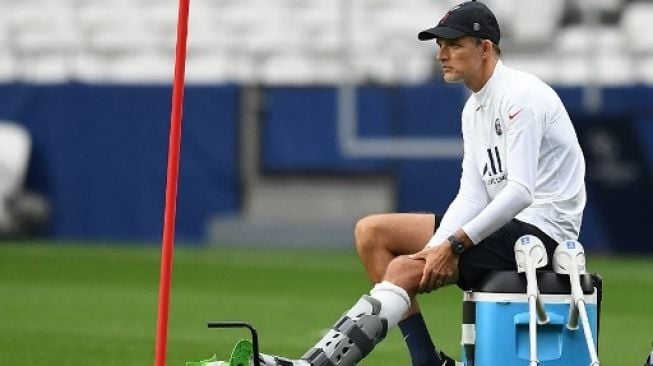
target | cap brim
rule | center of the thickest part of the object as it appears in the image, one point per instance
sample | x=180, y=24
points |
x=440, y=32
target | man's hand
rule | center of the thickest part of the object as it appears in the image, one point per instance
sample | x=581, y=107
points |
x=440, y=267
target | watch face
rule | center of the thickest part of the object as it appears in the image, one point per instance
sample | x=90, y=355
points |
x=456, y=245
x=458, y=248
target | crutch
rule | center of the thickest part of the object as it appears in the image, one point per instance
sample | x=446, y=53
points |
x=530, y=254
x=569, y=259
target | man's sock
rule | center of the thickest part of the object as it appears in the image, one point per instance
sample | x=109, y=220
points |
x=420, y=346
x=394, y=302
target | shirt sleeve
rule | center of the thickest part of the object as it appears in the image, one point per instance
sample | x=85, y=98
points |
x=524, y=137
x=472, y=196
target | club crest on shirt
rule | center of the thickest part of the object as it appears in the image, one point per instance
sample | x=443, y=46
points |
x=497, y=127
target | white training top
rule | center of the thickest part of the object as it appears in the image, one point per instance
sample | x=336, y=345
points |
x=521, y=160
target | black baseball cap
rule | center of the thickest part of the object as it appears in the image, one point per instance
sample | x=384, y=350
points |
x=471, y=18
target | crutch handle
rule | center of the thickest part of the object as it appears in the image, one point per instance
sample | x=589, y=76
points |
x=533, y=290
x=577, y=296
x=572, y=324
x=542, y=315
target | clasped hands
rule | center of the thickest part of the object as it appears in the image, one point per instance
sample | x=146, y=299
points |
x=440, y=267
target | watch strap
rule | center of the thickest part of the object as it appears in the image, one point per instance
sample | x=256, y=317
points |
x=456, y=244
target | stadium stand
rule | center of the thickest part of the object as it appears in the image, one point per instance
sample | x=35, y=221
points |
x=299, y=42
x=90, y=80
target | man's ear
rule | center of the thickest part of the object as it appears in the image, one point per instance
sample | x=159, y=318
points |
x=488, y=49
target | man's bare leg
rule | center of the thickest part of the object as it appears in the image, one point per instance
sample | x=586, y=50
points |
x=397, y=280
x=387, y=238
x=383, y=237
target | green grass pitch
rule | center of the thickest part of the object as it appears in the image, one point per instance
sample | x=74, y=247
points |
x=66, y=304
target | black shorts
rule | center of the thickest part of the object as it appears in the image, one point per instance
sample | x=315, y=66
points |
x=497, y=252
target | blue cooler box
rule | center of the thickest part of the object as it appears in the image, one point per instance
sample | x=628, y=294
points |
x=496, y=321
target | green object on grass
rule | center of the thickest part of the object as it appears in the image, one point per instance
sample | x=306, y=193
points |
x=240, y=356
x=241, y=353
x=204, y=362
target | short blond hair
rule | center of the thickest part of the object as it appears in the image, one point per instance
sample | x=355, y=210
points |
x=495, y=47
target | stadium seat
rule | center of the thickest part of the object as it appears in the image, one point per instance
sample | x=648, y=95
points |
x=94, y=15
x=207, y=68
x=62, y=40
x=534, y=23
x=417, y=69
x=199, y=42
x=375, y=69
x=324, y=16
x=250, y=13
x=608, y=70
x=28, y=15
x=292, y=69
x=543, y=67
x=505, y=13
x=604, y=6
x=7, y=66
x=88, y=67
x=273, y=39
x=598, y=53
x=615, y=69
x=114, y=30
x=609, y=5
x=323, y=41
x=6, y=57
x=4, y=26
x=578, y=39
x=162, y=17
x=37, y=29
x=637, y=16
x=45, y=69
x=118, y=41
x=140, y=68
x=644, y=69
x=575, y=70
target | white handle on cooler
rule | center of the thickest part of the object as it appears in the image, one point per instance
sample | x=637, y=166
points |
x=576, y=295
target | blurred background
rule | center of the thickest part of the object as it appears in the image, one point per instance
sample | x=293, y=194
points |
x=301, y=116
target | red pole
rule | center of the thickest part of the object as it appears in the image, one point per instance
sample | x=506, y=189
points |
x=171, y=186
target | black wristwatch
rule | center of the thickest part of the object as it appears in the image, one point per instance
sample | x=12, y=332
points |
x=457, y=245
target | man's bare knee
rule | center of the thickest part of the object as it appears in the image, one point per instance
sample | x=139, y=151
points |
x=405, y=273
x=368, y=234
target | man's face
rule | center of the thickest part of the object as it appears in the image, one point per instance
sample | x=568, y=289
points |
x=460, y=58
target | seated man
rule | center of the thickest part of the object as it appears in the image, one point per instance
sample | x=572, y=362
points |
x=21, y=213
x=522, y=173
